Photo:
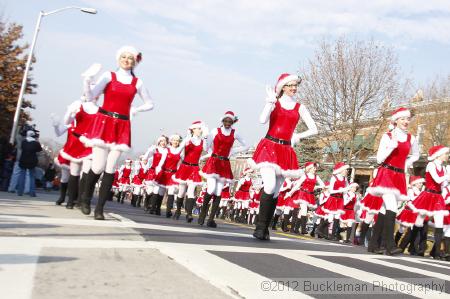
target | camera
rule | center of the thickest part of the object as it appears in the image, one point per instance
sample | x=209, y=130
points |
x=27, y=127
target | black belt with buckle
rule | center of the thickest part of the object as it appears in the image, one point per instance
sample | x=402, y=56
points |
x=399, y=170
x=432, y=191
x=113, y=114
x=169, y=170
x=338, y=195
x=309, y=192
x=220, y=157
x=76, y=134
x=187, y=163
x=279, y=141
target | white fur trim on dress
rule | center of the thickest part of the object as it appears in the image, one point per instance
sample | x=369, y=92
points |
x=438, y=153
x=300, y=201
x=348, y=221
x=100, y=143
x=426, y=212
x=370, y=211
x=291, y=173
x=65, y=166
x=333, y=212
x=380, y=191
x=186, y=182
x=72, y=159
x=405, y=224
x=215, y=176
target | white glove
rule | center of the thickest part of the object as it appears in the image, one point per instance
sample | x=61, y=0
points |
x=55, y=119
x=295, y=139
x=92, y=71
x=271, y=95
x=133, y=112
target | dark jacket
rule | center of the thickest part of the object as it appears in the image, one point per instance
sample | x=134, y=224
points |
x=28, y=158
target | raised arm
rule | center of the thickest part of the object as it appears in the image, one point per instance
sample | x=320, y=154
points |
x=150, y=152
x=146, y=98
x=244, y=146
x=431, y=168
x=271, y=99
x=91, y=91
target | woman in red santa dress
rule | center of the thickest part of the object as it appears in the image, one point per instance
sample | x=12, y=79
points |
x=348, y=218
x=303, y=194
x=242, y=196
x=187, y=176
x=124, y=179
x=390, y=182
x=321, y=223
x=334, y=205
x=110, y=133
x=290, y=211
x=225, y=197
x=60, y=162
x=217, y=169
x=407, y=217
x=199, y=200
x=115, y=185
x=78, y=118
x=137, y=182
x=430, y=202
x=154, y=154
x=274, y=155
x=254, y=204
x=170, y=161
x=446, y=196
x=281, y=202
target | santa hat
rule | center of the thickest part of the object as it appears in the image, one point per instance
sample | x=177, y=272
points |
x=230, y=114
x=416, y=179
x=199, y=125
x=161, y=138
x=128, y=160
x=285, y=79
x=400, y=112
x=175, y=137
x=308, y=165
x=247, y=170
x=437, y=151
x=132, y=50
x=354, y=184
x=339, y=167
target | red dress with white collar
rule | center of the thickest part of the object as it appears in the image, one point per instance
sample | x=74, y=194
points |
x=164, y=177
x=335, y=203
x=218, y=165
x=188, y=173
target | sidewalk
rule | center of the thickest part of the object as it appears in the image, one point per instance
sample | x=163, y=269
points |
x=70, y=255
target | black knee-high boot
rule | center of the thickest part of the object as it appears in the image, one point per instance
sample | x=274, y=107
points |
x=438, y=233
x=119, y=196
x=81, y=186
x=190, y=202
x=377, y=229
x=322, y=229
x=447, y=248
x=153, y=203
x=398, y=236
x=348, y=232
x=405, y=240
x=169, y=205
x=412, y=240
x=122, y=197
x=179, y=206
x=204, y=209
x=62, y=194
x=266, y=209
x=362, y=233
x=72, y=190
x=303, y=222
x=388, y=233
x=423, y=238
x=285, y=223
x=147, y=202
x=336, y=230
x=214, y=208
x=133, y=199
x=139, y=200
x=88, y=192
x=295, y=220
x=159, y=200
x=275, y=221
x=313, y=232
x=103, y=195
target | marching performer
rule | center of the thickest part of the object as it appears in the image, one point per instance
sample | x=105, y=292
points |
x=274, y=155
x=217, y=170
x=348, y=218
x=124, y=180
x=281, y=202
x=390, y=181
x=138, y=181
x=254, y=205
x=155, y=153
x=163, y=181
x=187, y=176
x=62, y=163
x=430, y=202
x=446, y=196
x=322, y=223
x=225, y=197
x=304, y=192
x=110, y=134
x=242, y=196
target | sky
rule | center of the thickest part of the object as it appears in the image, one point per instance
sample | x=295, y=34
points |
x=202, y=58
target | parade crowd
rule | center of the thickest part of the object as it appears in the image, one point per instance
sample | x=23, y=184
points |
x=272, y=193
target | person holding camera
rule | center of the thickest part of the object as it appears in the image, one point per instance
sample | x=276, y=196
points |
x=28, y=162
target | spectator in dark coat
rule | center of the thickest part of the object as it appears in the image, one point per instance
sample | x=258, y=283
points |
x=28, y=162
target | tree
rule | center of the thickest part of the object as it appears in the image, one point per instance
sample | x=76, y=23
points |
x=347, y=84
x=12, y=66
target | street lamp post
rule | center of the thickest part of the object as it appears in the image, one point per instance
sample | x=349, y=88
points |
x=30, y=57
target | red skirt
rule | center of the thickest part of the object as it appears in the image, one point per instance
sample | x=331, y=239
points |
x=429, y=204
x=389, y=182
x=290, y=203
x=218, y=169
x=124, y=181
x=242, y=195
x=334, y=205
x=107, y=131
x=349, y=216
x=319, y=212
x=150, y=175
x=281, y=200
x=281, y=157
x=74, y=150
x=302, y=197
x=371, y=204
x=187, y=174
x=136, y=180
x=407, y=217
x=164, y=179
x=225, y=195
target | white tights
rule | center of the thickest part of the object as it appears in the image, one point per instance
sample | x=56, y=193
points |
x=369, y=218
x=77, y=168
x=161, y=190
x=104, y=160
x=188, y=189
x=390, y=202
x=331, y=217
x=438, y=220
x=65, y=173
x=214, y=186
x=303, y=210
x=272, y=181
